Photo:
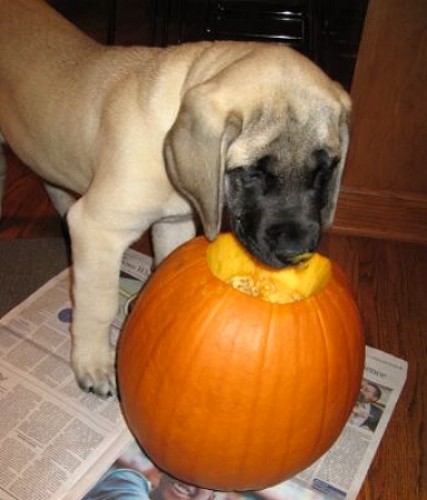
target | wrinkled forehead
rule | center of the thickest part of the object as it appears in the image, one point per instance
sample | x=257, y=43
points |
x=290, y=134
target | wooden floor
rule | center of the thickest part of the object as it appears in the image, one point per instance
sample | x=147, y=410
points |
x=389, y=280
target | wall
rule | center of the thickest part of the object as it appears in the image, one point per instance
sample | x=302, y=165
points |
x=385, y=185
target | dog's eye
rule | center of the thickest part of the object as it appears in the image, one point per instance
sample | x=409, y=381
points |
x=253, y=174
x=249, y=179
x=256, y=178
x=321, y=177
x=323, y=166
x=261, y=179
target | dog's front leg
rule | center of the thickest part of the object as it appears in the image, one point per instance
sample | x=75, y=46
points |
x=170, y=234
x=97, y=250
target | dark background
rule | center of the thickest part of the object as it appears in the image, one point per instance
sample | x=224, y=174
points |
x=328, y=31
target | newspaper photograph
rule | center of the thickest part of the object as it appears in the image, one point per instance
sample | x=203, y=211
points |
x=57, y=442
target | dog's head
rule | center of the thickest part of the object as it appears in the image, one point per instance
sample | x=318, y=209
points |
x=267, y=137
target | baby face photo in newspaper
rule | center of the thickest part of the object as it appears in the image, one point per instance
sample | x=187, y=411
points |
x=134, y=477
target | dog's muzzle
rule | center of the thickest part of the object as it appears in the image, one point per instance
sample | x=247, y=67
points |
x=288, y=243
x=280, y=245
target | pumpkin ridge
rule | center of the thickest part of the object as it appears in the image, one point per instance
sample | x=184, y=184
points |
x=151, y=297
x=256, y=399
x=163, y=426
x=284, y=345
x=274, y=389
x=331, y=302
x=222, y=449
x=346, y=324
x=296, y=349
x=302, y=325
x=142, y=379
x=133, y=392
x=326, y=375
x=357, y=318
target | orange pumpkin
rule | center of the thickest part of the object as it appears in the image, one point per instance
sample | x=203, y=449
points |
x=235, y=391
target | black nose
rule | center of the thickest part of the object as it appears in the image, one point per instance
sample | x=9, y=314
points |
x=291, y=241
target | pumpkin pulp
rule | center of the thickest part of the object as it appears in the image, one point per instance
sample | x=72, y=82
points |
x=231, y=263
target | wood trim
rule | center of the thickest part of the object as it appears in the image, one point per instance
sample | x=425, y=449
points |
x=380, y=214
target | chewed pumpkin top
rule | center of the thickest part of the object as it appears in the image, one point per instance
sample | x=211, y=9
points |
x=231, y=263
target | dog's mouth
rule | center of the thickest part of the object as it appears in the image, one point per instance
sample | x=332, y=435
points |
x=276, y=256
x=301, y=258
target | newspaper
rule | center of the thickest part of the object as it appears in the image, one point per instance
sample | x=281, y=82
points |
x=57, y=442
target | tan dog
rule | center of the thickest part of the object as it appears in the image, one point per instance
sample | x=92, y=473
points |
x=146, y=134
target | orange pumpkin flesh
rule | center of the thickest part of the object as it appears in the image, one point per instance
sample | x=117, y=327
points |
x=230, y=391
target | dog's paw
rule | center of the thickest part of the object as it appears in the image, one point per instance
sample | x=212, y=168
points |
x=96, y=373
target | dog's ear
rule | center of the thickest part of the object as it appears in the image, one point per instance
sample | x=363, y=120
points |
x=195, y=152
x=328, y=211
